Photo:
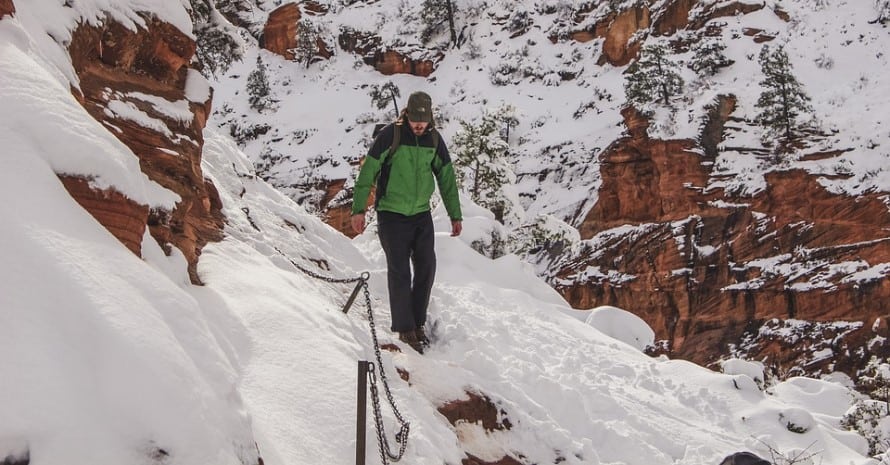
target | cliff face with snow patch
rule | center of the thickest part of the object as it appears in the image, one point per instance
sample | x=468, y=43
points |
x=707, y=268
x=119, y=359
x=139, y=84
x=687, y=217
x=676, y=229
x=133, y=75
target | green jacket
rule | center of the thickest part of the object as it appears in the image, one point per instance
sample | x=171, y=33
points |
x=407, y=178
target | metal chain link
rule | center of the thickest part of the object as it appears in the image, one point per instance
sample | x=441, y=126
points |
x=382, y=440
x=402, y=435
x=364, y=276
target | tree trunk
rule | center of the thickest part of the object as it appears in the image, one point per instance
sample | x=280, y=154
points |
x=451, y=27
x=786, y=118
x=476, y=171
x=392, y=93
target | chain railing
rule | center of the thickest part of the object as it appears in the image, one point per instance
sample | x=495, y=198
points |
x=386, y=453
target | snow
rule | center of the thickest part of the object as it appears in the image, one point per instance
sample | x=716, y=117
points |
x=105, y=359
x=50, y=25
x=735, y=366
x=623, y=326
x=41, y=118
x=111, y=358
x=197, y=88
x=267, y=354
x=129, y=111
x=177, y=111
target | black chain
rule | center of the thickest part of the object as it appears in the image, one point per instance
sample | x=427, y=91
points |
x=402, y=435
x=364, y=276
x=382, y=440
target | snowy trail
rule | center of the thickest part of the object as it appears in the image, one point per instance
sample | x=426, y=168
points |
x=571, y=392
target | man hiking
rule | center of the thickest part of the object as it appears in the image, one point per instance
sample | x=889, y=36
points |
x=404, y=160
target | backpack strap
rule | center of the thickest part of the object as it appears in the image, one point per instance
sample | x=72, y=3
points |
x=435, y=134
x=396, y=141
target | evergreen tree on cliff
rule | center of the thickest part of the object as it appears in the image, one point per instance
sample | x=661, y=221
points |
x=883, y=7
x=308, y=35
x=653, y=78
x=708, y=57
x=384, y=94
x=258, y=91
x=482, y=168
x=217, y=41
x=506, y=117
x=783, y=99
x=435, y=15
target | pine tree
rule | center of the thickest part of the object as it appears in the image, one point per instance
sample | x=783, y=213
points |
x=708, y=57
x=217, y=43
x=506, y=118
x=435, y=14
x=543, y=233
x=654, y=77
x=258, y=87
x=382, y=95
x=308, y=34
x=480, y=159
x=883, y=7
x=783, y=99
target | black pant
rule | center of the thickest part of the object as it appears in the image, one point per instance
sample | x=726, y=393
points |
x=408, y=240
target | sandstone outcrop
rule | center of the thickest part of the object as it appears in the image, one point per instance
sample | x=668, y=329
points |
x=478, y=409
x=122, y=68
x=6, y=8
x=125, y=219
x=282, y=30
x=704, y=267
x=337, y=205
x=619, y=28
x=386, y=60
x=391, y=62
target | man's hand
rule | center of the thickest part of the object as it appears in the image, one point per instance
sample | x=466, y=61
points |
x=358, y=222
x=456, y=228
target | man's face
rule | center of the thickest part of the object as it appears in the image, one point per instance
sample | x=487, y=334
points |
x=418, y=127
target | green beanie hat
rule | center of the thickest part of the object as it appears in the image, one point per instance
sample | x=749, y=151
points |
x=420, y=108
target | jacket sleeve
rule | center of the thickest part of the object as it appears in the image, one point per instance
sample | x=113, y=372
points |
x=447, y=181
x=370, y=168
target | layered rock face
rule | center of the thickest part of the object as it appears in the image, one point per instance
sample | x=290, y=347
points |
x=6, y=8
x=134, y=82
x=385, y=60
x=124, y=218
x=618, y=28
x=704, y=268
x=281, y=33
x=282, y=30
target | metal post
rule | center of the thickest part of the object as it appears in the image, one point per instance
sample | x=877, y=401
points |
x=361, y=412
x=363, y=279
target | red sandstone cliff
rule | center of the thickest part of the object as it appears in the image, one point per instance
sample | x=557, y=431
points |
x=619, y=28
x=281, y=32
x=6, y=8
x=703, y=267
x=116, y=64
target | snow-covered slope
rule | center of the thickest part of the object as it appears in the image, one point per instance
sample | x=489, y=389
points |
x=107, y=358
x=571, y=393
x=569, y=105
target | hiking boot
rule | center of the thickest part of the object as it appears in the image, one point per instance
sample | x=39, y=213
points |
x=420, y=335
x=410, y=338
